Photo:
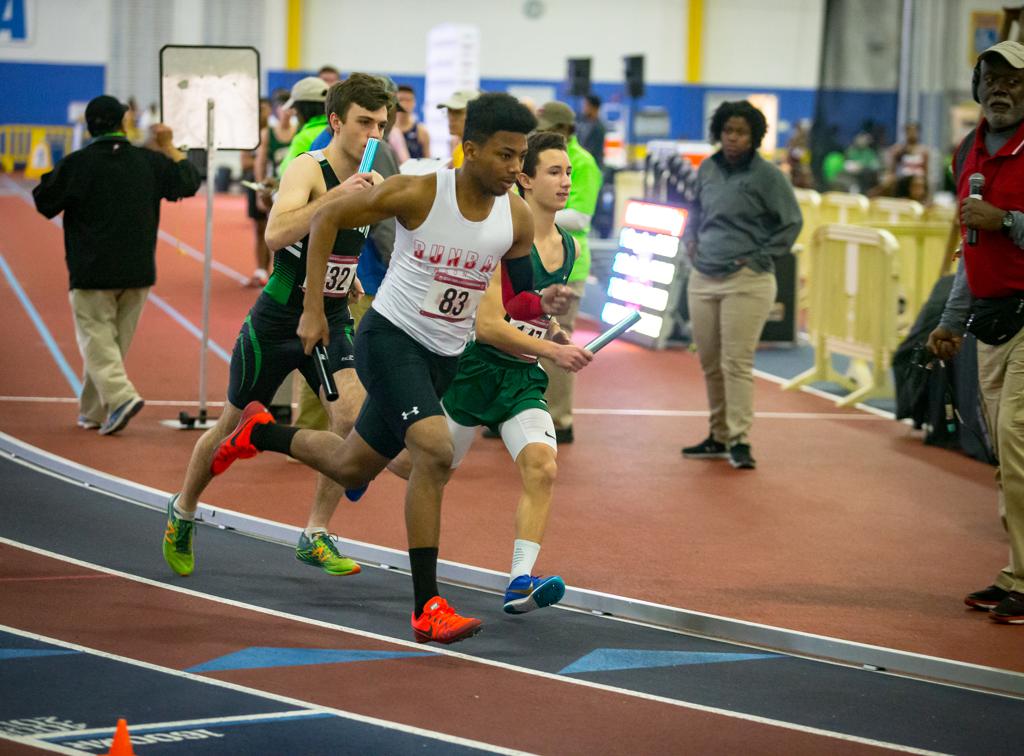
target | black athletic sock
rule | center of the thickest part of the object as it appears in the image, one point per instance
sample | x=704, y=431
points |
x=423, y=563
x=273, y=437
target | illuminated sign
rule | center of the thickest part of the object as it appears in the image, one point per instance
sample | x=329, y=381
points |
x=645, y=243
x=649, y=325
x=637, y=293
x=661, y=219
x=643, y=269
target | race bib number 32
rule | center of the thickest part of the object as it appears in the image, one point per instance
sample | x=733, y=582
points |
x=341, y=272
x=452, y=298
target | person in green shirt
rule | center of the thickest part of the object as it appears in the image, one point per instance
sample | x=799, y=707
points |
x=575, y=218
x=307, y=100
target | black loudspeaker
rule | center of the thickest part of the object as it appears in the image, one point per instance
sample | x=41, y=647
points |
x=578, y=77
x=634, y=75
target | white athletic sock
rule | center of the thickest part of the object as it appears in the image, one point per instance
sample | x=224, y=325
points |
x=184, y=515
x=310, y=532
x=524, y=556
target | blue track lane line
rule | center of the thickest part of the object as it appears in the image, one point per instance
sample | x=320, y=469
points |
x=187, y=324
x=33, y=313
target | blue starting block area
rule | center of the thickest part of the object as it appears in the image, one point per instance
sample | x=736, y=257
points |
x=70, y=697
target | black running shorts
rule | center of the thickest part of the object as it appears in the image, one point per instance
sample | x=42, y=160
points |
x=267, y=349
x=404, y=382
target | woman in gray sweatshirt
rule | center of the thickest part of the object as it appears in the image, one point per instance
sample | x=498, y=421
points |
x=745, y=215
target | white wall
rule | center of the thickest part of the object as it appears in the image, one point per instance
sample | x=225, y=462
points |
x=768, y=43
x=356, y=35
x=63, y=31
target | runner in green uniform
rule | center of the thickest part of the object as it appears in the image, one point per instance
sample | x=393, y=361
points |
x=500, y=384
x=268, y=347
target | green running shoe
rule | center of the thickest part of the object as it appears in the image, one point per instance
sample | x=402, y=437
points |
x=178, y=541
x=321, y=552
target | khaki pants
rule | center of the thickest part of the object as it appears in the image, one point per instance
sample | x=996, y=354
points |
x=561, y=382
x=1001, y=379
x=311, y=413
x=105, y=321
x=727, y=316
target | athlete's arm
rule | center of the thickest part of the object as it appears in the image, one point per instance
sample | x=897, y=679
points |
x=293, y=210
x=517, y=294
x=400, y=196
x=493, y=329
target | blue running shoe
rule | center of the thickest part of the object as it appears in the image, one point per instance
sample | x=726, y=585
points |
x=355, y=494
x=529, y=592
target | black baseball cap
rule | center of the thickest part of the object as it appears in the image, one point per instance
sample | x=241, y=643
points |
x=103, y=114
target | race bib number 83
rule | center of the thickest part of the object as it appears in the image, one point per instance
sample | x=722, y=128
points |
x=452, y=298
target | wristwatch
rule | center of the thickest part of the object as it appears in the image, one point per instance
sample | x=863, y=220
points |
x=1007, y=222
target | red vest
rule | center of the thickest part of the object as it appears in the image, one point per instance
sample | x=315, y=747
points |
x=995, y=265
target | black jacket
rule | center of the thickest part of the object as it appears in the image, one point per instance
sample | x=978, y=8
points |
x=110, y=192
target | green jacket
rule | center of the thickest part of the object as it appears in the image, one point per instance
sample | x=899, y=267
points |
x=586, y=186
x=302, y=139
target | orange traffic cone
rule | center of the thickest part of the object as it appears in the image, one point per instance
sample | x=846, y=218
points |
x=122, y=745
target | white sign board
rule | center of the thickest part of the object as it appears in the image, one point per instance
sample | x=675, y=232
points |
x=453, y=63
x=230, y=76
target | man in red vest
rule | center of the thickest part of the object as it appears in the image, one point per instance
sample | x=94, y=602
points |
x=988, y=296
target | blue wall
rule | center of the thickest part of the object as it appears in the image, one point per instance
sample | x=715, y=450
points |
x=40, y=92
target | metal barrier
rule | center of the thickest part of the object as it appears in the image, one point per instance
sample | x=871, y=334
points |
x=894, y=210
x=16, y=142
x=853, y=307
x=843, y=207
x=810, y=208
x=920, y=262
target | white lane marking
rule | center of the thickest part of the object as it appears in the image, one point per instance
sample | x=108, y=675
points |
x=136, y=728
x=195, y=254
x=409, y=729
x=584, y=411
x=465, y=657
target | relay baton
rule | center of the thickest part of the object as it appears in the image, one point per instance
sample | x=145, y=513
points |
x=366, y=165
x=614, y=332
x=253, y=185
x=323, y=370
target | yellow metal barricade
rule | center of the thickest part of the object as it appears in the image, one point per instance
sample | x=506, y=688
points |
x=843, y=207
x=810, y=207
x=940, y=214
x=922, y=253
x=854, y=301
x=894, y=210
x=16, y=143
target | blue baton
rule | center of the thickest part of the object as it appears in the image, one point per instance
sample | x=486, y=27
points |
x=366, y=165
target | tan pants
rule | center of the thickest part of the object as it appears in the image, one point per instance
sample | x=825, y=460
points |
x=727, y=316
x=105, y=321
x=1001, y=379
x=311, y=413
x=561, y=382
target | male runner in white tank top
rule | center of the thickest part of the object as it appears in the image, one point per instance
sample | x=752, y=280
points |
x=453, y=229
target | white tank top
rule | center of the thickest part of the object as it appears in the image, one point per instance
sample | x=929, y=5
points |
x=439, y=271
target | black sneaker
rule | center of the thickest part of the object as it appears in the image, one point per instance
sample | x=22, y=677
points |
x=563, y=435
x=987, y=598
x=1010, y=610
x=739, y=457
x=706, y=449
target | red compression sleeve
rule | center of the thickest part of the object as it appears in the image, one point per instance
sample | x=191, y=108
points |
x=516, y=289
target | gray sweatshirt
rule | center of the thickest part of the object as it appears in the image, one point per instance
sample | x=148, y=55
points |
x=958, y=305
x=745, y=215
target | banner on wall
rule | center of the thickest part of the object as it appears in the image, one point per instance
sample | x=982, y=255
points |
x=453, y=64
x=16, y=21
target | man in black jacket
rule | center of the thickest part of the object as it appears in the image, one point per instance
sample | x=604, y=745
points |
x=110, y=194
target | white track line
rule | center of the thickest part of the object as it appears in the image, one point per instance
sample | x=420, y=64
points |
x=457, y=655
x=137, y=728
x=409, y=729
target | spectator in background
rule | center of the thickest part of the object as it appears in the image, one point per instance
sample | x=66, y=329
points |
x=990, y=281
x=456, y=108
x=574, y=218
x=110, y=194
x=863, y=163
x=745, y=215
x=307, y=100
x=254, y=210
x=275, y=140
x=913, y=187
x=910, y=156
x=417, y=138
x=329, y=74
x=590, y=130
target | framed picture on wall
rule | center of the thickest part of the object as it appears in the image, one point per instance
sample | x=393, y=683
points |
x=984, y=33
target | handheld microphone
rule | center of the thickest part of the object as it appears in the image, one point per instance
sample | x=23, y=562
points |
x=976, y=183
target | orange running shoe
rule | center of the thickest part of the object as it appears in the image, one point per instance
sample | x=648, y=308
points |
x=440, y=623
x=238, y=445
